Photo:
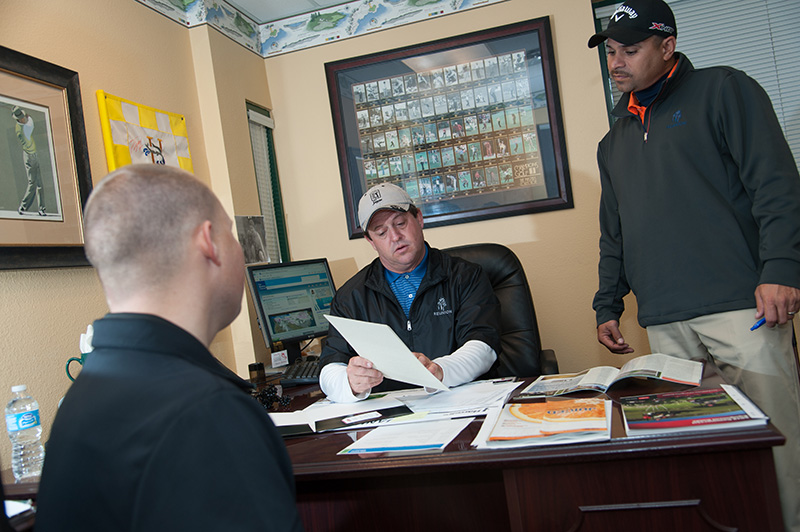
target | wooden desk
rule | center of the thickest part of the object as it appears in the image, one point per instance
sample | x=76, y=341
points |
x=18, y=491
x=700, y=482
x=721, y=480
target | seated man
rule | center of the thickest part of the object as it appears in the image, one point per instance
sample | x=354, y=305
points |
x=155, y=433
x=443, y=308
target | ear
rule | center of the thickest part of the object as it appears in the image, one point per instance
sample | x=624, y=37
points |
x=668, y=48
x=205, y=242
x=420, y=218
x=368, y=239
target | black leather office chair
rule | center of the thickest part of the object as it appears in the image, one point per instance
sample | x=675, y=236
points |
x=522, y=354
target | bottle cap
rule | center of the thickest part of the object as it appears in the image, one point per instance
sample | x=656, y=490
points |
x=18, y=388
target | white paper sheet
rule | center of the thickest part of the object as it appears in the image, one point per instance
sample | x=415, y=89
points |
x=379, y=344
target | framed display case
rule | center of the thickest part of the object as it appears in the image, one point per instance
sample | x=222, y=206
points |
x=470, y=126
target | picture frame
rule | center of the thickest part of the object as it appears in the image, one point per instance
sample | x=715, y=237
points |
x=45, y=177
x=470, y=126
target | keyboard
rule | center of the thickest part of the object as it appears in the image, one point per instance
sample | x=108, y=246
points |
x=301, y=372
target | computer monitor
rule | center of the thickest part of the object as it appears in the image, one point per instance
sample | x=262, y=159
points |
x=291, y=299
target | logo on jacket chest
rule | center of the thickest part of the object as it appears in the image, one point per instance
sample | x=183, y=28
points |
x=677, y=120
x=441, y=308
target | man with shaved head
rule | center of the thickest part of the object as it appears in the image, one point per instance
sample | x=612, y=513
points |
x=155, y=433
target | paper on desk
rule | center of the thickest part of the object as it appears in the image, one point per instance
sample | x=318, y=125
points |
x=486, y=428
x=415, y=437
x=288, y=419
x=16, y=507
x=472, y=398
x=325, y=409
x=379, y=344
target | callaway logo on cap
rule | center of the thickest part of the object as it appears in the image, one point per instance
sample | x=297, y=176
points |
x=635, y=21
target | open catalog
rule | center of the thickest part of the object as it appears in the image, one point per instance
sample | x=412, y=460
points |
x=600, y=379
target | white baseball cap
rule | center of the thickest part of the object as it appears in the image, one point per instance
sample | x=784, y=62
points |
x=380, y=197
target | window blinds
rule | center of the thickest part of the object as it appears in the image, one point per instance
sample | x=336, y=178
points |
x=259, y=141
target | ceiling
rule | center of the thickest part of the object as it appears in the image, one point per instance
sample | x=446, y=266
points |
x=263, y=11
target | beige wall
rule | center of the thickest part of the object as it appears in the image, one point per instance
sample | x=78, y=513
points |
x=130, y=51
x=559, y=249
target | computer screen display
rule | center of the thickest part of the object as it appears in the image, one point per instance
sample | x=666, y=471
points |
x=291, y=299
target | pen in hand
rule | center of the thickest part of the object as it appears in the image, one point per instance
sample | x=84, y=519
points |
x=758, y=324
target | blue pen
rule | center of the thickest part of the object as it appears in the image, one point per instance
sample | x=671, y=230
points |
x=758, y=324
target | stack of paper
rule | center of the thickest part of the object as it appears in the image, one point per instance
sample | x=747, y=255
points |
x=470, y=399
x=432, y=436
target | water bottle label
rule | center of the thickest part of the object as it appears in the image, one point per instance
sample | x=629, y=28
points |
x=22, y=420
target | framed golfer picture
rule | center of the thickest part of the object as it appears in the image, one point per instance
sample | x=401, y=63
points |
x=44, y=167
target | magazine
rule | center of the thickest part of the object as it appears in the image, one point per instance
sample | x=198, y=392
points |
x=556, y=421
x=600, y=379
x=725, y=407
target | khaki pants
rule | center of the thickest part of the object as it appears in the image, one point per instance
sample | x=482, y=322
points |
x=762, y=364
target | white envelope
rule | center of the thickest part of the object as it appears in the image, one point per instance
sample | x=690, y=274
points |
x=379, y=344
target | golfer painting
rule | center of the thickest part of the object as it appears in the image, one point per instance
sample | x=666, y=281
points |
x=24, y=130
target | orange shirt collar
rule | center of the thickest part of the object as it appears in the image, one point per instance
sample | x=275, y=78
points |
x=633, y=102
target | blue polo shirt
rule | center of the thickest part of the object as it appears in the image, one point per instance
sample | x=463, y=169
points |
x=405, y=285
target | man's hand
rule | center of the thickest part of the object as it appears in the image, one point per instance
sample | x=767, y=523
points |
x=433, y=367
x=776, y=303
x=608, y=334
x=362, y=376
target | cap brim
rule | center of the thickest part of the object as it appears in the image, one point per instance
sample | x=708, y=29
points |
x=398, y=208
x=626, y=36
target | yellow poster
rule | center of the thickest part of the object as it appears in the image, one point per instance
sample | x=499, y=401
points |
x=135, y=133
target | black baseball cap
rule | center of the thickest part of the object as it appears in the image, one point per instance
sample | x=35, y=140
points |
x=635, y=21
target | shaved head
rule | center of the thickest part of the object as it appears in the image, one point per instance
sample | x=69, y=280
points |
x=139, y=221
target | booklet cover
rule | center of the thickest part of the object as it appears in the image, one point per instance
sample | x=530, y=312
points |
x=555, y=421
x=690, y=411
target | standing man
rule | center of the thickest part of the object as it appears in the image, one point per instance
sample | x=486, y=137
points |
x=24, y=131
x=443, y=308
x=155, y=433
x=700, y=218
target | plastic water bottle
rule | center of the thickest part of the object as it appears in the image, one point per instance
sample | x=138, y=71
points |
x=24, y=431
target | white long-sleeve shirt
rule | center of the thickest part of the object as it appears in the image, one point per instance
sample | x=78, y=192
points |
x=465, y=364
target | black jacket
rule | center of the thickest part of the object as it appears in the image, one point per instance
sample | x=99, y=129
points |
x=156, y=434
x=702, y=209
x=455, y=303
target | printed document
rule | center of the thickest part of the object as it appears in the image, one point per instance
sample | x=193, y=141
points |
x=379, y=344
